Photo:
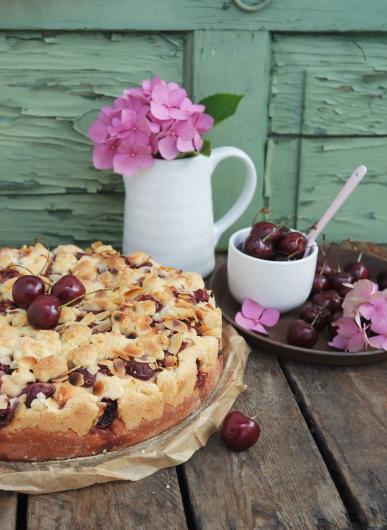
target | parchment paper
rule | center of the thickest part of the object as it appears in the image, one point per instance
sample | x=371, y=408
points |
x=133, y=463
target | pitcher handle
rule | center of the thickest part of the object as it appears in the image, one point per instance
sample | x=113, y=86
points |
x=244, y=199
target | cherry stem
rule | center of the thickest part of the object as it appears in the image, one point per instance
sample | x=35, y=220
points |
x=318, y=314
x=262, y=211
x=277, y=227
x=359, y=257
x=82, y=296
x=47, y=282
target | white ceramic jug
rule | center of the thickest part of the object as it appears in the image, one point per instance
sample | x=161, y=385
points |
x=169, y=214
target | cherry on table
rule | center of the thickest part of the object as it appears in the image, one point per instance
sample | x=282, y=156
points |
x=313, y=313
x=239, y=432
x=43, y=312
x=26, y=289
x=257, y=248
x=302, y=334
x=68, y=288
x=382, y=280
x=337, y=281
x=358, y=270
x=330, y=299
x=320, y=283
x=292, y=244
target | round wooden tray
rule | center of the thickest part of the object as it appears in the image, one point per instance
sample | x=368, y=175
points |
x=276, y=343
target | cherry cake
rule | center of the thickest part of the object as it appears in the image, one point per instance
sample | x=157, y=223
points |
x=99, y=351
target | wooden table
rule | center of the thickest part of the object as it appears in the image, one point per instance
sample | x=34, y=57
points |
x=321, y=463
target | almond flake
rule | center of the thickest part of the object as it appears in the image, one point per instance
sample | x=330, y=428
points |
x=76, y=379
x=175, y=343
x=175, y=325
x=60, y=379
x=132, y=293
x=99, y=388
x=27, y=362
x=119, y=367
x=170, y=361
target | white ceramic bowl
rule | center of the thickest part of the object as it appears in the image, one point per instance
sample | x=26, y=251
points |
x=282, y=285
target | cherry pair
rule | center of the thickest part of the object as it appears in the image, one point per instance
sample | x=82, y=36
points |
x=274, y=242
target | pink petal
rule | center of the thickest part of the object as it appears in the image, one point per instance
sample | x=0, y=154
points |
x=198, y=142
x=185, y=146
x=103, y=156
x=339, y=342
x=203, y=122
x=176, y=95
x=346, y=327
x=244, y=322
x=185, y=130
x=124, y=165
x=270, y=317
x=144, y=162
x=178, y=114
x=259, y=328
x=167, y=148
x=128, y=117
x=356, y=343
x=379, y=323
x=160, y=93
x=367, y=311
x=251, y=309
x=159, y=111
x=378, y=341
x=98, y=132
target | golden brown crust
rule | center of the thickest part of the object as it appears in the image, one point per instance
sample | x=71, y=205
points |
x=123, y=364
x=36, y=445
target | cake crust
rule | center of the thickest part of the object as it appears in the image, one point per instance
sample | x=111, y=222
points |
x=132, y=359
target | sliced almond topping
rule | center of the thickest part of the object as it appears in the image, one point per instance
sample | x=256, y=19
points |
x=103, y=326
x=99, y=388
x=27, y=362
x=88, y=319
x=76, y=379
x=60, y=379
x=170, y=361
x=63, y=396
x=146, y=359
x=175, y=325
x=175, y=343
x=119, y=367
x=102, y=316
x=132, y=293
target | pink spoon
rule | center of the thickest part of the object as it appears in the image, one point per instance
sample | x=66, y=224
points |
x=340, y=199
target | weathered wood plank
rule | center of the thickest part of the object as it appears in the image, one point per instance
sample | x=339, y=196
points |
x=8, y=508
x=221, y=52
x=281, y=482
x=324, y=165
x=347, y=409
x=51, y=88
x=297, y=15
x=154, y=502
x=58, y=219
x=329, y=85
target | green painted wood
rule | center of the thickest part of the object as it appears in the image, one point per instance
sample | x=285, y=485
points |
x=51, y=88
x=235, y=61
x=57, y=219
x=280, y=15
x=324, y=166
x=329, y=85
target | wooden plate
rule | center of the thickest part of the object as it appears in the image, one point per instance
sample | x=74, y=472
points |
x=276, y=343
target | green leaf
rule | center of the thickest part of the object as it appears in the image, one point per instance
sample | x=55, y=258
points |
x=221, y=106
x=206, y=149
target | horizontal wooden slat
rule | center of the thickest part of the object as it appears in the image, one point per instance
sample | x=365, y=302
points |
x=297, y=15
x=51, y=88
x=347, y=411
x=78, y=218
x=281, y=482
x=324, y=166
x=153, y=502
x=329, y=85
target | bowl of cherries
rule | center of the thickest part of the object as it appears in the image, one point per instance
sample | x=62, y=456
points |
x=268, y=264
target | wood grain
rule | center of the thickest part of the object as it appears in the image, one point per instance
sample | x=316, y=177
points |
x=297, y=15
x=8, y=508
x=329, y=85
x=347, y=410
x=281, y=482
x=153, y=502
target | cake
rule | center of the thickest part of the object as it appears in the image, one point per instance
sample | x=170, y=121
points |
x=134, y=356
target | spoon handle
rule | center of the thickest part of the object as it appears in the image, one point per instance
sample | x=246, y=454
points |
x=341, y=197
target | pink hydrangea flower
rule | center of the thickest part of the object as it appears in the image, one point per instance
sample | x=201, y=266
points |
x=360, y=294
x=254, y=317
x=375, y=310
x=351, y=336
x=155, y=119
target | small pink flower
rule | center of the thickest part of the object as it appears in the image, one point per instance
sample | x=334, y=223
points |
x=131, y=126
x=103, y=153
x=376, y=311
x=350, y=335
x=360, y=294
x=166, y=101
x=378, y=341
x=131, y=158
x=254, y=317
x=178, y=138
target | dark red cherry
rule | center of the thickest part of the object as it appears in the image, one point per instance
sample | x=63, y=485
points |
x=68, y=288
x=358, y=270
x=26, y=289
x=257, y=248
x=382, y=280
x=320, y=283
x=239, y=432
x=109, y=414
x=43, y=312
x=139, y=370
x=337, y=281
x=314, y=313
x=302, y=334
x=34, y=389
x=293, y=244
x=324, y=268
x=332, y=330
x=262, y=229
x=330, y=299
